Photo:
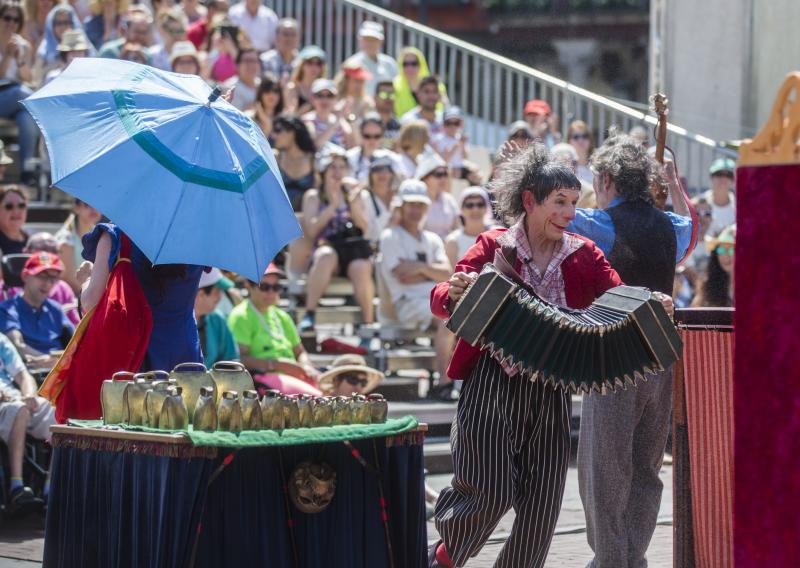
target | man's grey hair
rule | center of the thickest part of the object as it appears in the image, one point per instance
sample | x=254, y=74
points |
x=626, y=162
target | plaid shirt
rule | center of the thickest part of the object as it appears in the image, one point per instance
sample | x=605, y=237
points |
x=550, y=285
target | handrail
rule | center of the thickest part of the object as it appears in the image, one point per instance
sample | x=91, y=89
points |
x=490, y=88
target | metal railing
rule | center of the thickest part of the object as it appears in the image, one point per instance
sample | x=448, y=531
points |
x=490, y=89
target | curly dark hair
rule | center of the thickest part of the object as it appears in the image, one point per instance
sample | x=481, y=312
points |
x=715, y=287
x=530, y=169
x=625, y=160
x=269, y=84
x=302, y=137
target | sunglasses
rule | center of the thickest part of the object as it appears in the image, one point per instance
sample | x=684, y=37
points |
x=12, y=206
x=584, y=136
x=14, y=19
x=724, y=250
x=325, y=96
x=452, y=123
x=385, y=96
x=439, y=174
x=372, y=136
x=474, y=205
x=264, y=287
x=317, y=62
x=704, y=213
x=411, y=63
x=57, y=23
x=354, y=380
x=723, y=174
x=176, y=31
x=381, y=169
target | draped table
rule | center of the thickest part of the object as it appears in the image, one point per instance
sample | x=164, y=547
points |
x=123, y=498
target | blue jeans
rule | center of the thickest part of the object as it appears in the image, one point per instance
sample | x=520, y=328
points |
x=10, y=107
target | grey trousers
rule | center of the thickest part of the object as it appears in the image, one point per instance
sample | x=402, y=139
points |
x=510, y=444
x=620, y=452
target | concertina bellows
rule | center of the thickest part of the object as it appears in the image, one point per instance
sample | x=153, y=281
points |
x=622, y=336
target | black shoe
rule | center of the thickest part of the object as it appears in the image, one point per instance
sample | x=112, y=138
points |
x=22, y=499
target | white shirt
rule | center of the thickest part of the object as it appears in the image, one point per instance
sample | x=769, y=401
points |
x=378, y=215
x=398, y=244
x=442, y=214
x=243, y=96
x=359, y=164
x=721, y=216
x=444, y=143
x=260, y=29
x=384, y=69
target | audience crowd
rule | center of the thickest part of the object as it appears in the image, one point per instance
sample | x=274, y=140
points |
x=375, y=161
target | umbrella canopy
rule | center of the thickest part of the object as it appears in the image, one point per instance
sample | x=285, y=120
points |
x=186, y=175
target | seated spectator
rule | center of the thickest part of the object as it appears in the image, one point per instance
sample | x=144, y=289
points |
x=36, y=325
x=68, y=238
x=379, y=193
x=226, y=41
x=5, y=161
x=295, y=154
x=193, y=10
x=134, y=52
x=384, y=106
x=172, y=25
x=62, y=18
x=138, y=28
x=16, y=66
x=354, y=102
x=268, y=339
x=476, y=217
x=442, y=216
x=716, y=285
x=720, y=196
x=412, y=68
x=216, y=339
x=310, y=67
x=428, y=95
x=268, y=104
x=412, y=145
x=184, y=58
x=61, y=293
x=380, y=66
x=568, y=155
x=335, y=220
x=101, y=25
x=580, y=137
x=371, y=136
x=413, y=260
x=248, y=77
x=520, y=133
x=349, y=374
x=36, y=20
x=257, y=21
x=21, y=413
x=280, y=61
x=13, y=215
x=543, y=123
x=325, y=124
x=451, y=144
x=201, y=30
x=73, y=44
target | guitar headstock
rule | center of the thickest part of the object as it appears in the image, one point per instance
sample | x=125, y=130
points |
x=659, y=104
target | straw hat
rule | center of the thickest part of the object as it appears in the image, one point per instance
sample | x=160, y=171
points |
x=349, y=363
x=73, y=40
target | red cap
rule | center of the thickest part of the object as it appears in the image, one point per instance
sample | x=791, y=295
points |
x=273, y=269
x=537, y=106
x=40, y=262
x=357, y=73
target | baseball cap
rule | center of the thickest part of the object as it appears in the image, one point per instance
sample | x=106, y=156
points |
x=722, y=165
x=371, y=29
x=356, y=72
x=40, y=262
x=320, y=85
x=428, y=163
x=273, y=269
x=382, y=159
x=537, y=106
x=474, y=191
x=327, y=154
x=453, y=112
x=215, y=277
x=413, y=191
x=312, y=51
x=518, y=125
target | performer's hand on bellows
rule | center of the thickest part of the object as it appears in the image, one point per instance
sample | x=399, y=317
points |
x=666, y=302
x=458, y=283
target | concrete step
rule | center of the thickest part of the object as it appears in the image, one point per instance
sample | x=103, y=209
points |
x=393, y=360
x=399, y=389
x=333, y=315
x=438, y=458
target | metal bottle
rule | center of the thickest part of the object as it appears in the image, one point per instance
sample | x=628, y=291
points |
x=305, y=408
x=174, y=415
x=251, y=410
x=205, y=410
x=378, y=408
x=133, y=401
x=359, y=409
x=229, y=412
x=323, y=412
x=272, y=410
x=341, y=411
x=291, y=412
x=153, y=401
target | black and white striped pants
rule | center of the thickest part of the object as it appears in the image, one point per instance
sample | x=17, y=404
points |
x=510, y=444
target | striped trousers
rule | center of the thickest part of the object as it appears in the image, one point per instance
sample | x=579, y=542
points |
x=510, y=443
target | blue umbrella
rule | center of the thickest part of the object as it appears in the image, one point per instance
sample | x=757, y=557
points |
x=187, y=176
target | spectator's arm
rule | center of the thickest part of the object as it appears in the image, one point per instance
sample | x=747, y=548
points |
x=67, y=256
x=26, y=383
x=314, y=220
x=94, y=287
x=357, y=210
x=301, y=355
x=24, y=349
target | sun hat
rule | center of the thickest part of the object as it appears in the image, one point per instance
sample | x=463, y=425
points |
x=312, y=51
x=473, y=191
x=320, y=85
x=40, y=262
x=413, y=191
x=727, y=236
x=382, y=158
x=183, y=49
x=429, y=163
x=453, y=112
x=273, y=269
x=722, y=165
x=371, y=29
x=537, y=106
x=327, y=154
x=215, y=277
x=73, y=40
x=349, y=363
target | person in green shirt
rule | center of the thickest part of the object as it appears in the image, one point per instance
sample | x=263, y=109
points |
x=268, y=340
x=216, y=340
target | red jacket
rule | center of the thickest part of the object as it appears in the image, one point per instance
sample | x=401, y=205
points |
x=587, y=275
